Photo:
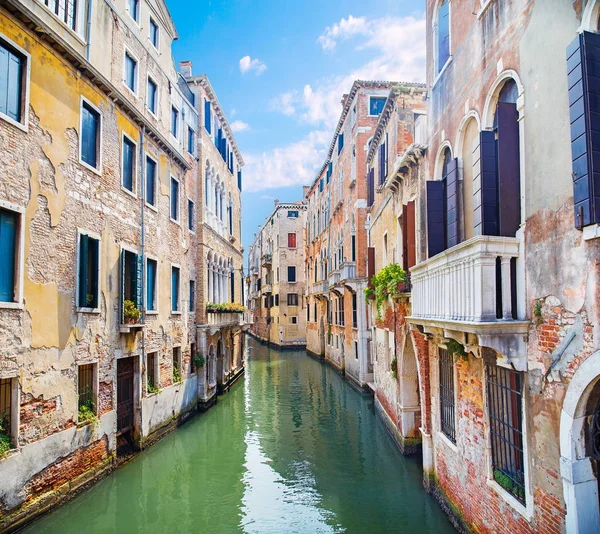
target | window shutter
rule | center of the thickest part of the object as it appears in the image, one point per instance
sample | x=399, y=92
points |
x=583, y=57
x=436, y=214
x=382, y=164
x=409, y=257
x=122, y=295
x=150, y=181
x=207, y=116
x=15, y=77
x=94, y=258
x=4, y=54
x=83, y=270
x=8, y=241
x=485, y=185
x=89, y=136
x=370, y=264
x=128, y=148
x=509, y=179
x=139, y=265
x=452, y=203
x=370, y=187
x=340, y=142
x=150, y=281
x=239, y=176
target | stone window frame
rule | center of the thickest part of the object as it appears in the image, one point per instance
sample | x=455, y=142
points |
x=20, y=259
x=151, y=78
x=153, y=207
x=26, y=82
x=134, y=175
x=138, y=5
x=93, y=235
x=177, y=347
x=100, y=145
x=95, y=383
x=438, y=418
x=15, y=403
x=156, y=369
x=151, y=22
x=178, y=311
x=156, y=285
x=136, y=82
x=178, y=220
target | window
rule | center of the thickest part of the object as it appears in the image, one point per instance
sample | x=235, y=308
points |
x=207, y=115
x=192, y=294
x=276, y=300
x=90, y=136
x=239, y=177
x=340, y=142
x=292, y=299
x=293, y=320
x=153, y=33
x=174, y=289
x=151, y=374
x=7, y=407
x=174, y=121
x=69, y=12
x=191, y=137
x=292, y=214
x=9, y=253
x=191, y=215
x=505, y=393
x=151, y=96
x=150, y=181
x=128, y=171
x=447, y=418
x=130, y=71
x=176, y=362
x=174, y=199
x=292, y=240
x=443, y=33
x=131, y=287
x=12, y=72
x=291, y=273
x=376, y=104
x=151, y=281
x=89, y=254
x=85, y=388
x=354, y=311
x=133, y=6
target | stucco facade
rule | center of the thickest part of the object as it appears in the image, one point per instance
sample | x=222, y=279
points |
x=276, y=299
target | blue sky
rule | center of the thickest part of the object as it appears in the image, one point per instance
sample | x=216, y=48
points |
x=280, y=73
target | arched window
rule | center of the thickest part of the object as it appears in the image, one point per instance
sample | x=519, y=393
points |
x=443, y=33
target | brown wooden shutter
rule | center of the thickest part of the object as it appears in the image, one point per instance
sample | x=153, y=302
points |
x=370, y=263
x=485, y=185
x=509, y=179
x=409, y=230
x=452, y=203
x=436, y=217
x=370, y=187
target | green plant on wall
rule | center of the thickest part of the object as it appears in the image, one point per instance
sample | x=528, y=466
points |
x=509, y=485
x=199, y=360
x=537, y=312
x=385, y=284
x=5, y=439
x=454, y=347
x=176, y=375
x=151, y=388
x=394, y=368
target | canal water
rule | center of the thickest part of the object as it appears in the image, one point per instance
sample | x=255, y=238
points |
x=292, y=448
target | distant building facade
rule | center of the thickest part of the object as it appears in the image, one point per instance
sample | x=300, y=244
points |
x=276, y=299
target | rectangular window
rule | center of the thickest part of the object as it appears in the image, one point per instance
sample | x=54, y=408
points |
x=174, y=121
x=85, y=388
x=7, y=408
x=292, y=299
x=293, y=320
x=292, y=240
x=207, y=115
x=192, y=294
x=151, y=280
x=89, y=255
x=291, y=273
x=150, y=181
x=276, y=300
x=447, y=412
x=191, y=215
x=340, y=143
x=128, y=171
x=133, y=6
x=174, y=199
x=354, y=311
x=9, y=228
x=376, y=104
x=130, y=71
x=505, y=398
x=12, y=69
x=151, y=96
x=153, y=33
x=90, y=135
x=176, y=355
x=292, y=214
x=356, y=350
x=131, y=287
x=174, y=289
x=191, y=138
x=151, y=374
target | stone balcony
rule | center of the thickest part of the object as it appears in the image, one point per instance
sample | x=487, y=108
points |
x=225, y=319
x=321, y=287
x=266, y=260
x=471, y=289
x=334, y=279
x=348, y=271
x=267, y=288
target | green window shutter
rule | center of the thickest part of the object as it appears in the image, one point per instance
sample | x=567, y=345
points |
x=137, y=280
x=93, y=282
x=8, y=250
x=83, y=270
x=122, y=294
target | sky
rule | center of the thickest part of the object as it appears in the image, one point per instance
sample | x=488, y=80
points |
x=280, y=68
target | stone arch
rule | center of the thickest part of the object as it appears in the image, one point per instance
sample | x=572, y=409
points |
x=437, y=64
x=580, y=485
x=492, y=98
x=467, y=136
x=589, y=17
x=409, y=398
x=439, y=159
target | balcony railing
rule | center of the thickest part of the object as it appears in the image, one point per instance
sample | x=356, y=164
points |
x=321, y=287
x=474, y=282
x=348, y=270
x=225, y=319
x=334, y=278
x=267, y=260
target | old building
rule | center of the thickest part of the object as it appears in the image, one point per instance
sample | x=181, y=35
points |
x=492, y=350
x=336, y=240
x=276, y=297
x=102, y=286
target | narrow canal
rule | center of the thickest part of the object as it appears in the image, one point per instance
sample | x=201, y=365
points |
x=292, y=448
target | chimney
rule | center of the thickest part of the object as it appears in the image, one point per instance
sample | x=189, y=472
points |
x=276, y=201
x=344, y=99
x=185, y=67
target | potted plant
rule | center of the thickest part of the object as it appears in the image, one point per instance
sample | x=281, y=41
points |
x=199, y=360
x=131, y=313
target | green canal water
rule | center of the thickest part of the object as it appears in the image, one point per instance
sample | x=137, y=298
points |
x=292, y=448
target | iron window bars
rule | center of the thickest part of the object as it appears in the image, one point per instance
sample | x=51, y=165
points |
x=447, y=407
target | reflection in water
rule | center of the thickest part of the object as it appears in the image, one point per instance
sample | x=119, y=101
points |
x=292, y=449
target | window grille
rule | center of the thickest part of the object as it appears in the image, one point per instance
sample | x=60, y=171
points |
x=6, y=404
x=86, y=387
x=150, y=374
x=447, y=408
x=505, y=393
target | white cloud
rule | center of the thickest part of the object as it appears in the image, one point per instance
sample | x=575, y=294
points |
x=343, y=29
x=239, y=126
x=293, y=164
x=284, y=103
x=247, y=64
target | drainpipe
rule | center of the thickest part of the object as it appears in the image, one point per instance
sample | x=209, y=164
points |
x=89, y=29
x=143, y=211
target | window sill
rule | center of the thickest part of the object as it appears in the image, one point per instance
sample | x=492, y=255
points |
x=441, y=73
x=178, y=223
x=175, y=313
x=21, y=126
x=447, y=441
x=151, y=312
x=128, y=192
x=152, y=113
x=88, y=310
x=591, y=232
x=522, y=509
x=130, y=90
x=151, y=207
x=90, y=168
x=12, y=305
